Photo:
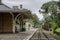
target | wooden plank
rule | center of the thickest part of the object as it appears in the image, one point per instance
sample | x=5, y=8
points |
x=0, y=22
x=7, y=22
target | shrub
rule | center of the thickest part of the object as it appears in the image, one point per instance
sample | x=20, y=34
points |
x=58, y=30
x=53, y=24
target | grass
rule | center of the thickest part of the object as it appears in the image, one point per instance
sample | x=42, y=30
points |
x=58, y=30
x=57, y=37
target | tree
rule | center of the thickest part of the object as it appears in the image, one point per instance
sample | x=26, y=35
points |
x=52, y=8
x=34, y=20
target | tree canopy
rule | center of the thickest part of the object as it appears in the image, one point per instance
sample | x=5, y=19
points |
x=52, y=7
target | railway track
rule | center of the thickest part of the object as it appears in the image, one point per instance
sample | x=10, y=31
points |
x=40, y=35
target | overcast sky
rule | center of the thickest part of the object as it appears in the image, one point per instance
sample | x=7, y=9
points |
x=33, y=5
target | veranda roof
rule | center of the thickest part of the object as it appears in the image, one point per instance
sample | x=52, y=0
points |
x=4, y=8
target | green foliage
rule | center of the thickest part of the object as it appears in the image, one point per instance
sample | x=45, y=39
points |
x=58, y=4
x=46, y=5
x=53, y=24
x=51, y=7
x=39, y=26
x=35, y=19
x=58, y=30
x=48, y=19
x=31, y=21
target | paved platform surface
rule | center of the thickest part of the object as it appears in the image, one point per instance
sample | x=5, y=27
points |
x=19, y=36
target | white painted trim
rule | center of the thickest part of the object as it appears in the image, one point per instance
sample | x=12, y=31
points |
x=13, y=29
x=17, y=16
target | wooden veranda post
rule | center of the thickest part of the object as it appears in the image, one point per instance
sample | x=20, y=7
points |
x=22, y=22
x=13, y=22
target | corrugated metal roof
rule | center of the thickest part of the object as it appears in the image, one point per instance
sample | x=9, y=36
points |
x=4, y=7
